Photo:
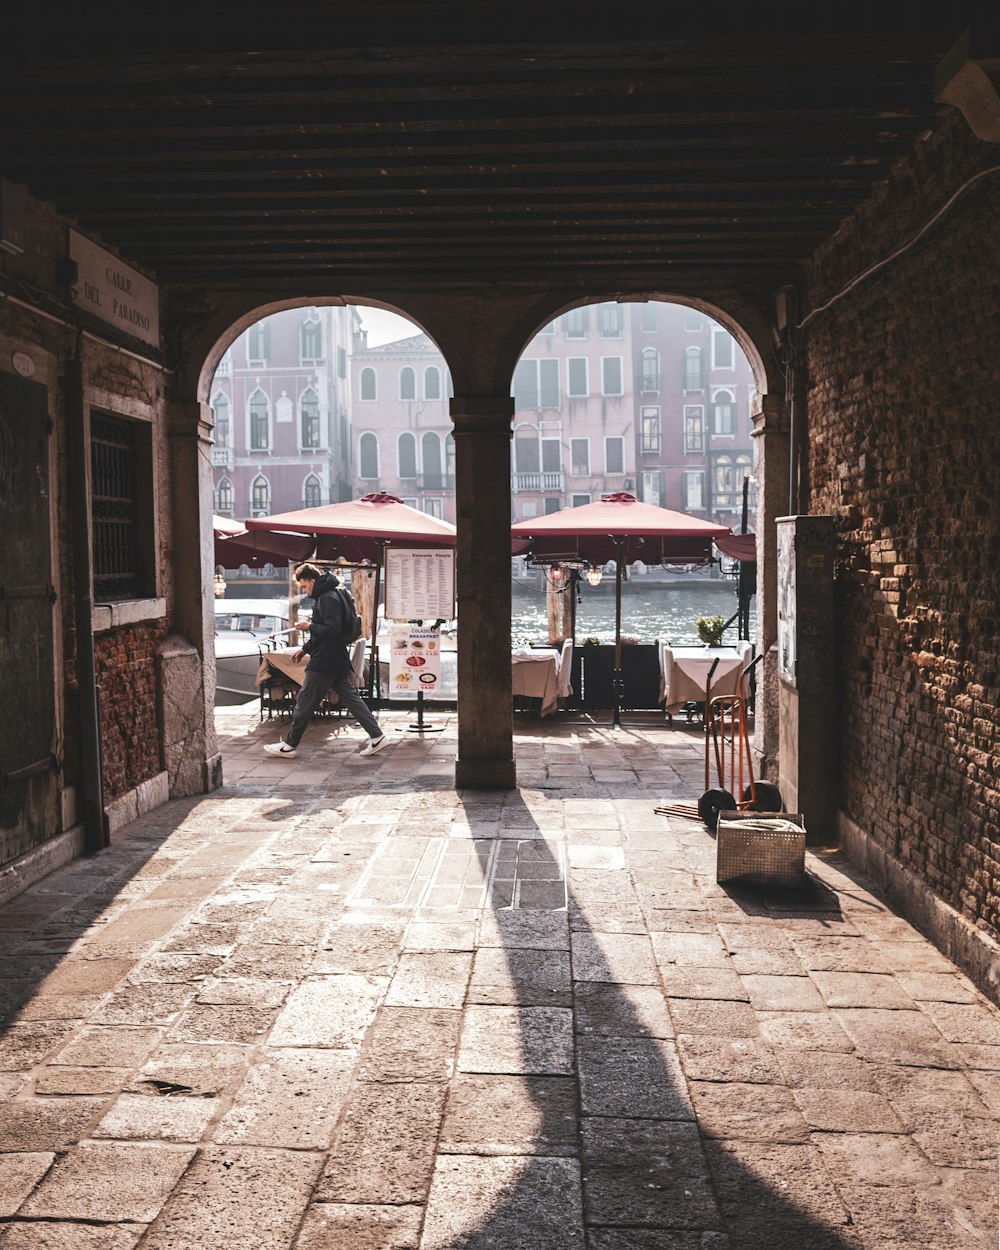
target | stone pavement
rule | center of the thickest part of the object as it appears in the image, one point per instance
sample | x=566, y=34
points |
x=339, y=1006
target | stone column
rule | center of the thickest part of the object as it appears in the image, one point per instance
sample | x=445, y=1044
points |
x=482, y=465
x=186, y=662
x=771, y=430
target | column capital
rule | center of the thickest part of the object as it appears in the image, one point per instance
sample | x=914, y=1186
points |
x=482, y=414
x=769, y=416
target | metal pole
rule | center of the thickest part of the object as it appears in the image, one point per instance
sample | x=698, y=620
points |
x=374, y=676
x=619, y=684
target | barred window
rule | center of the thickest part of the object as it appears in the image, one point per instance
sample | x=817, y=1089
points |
x=121, y=506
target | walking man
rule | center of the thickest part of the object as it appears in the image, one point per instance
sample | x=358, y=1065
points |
x=329, y=665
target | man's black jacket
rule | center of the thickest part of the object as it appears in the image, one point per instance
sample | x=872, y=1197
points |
x=326, y=648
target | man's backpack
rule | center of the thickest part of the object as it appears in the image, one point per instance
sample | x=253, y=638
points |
x=352, y=621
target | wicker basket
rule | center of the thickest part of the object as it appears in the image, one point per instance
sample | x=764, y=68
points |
x=761, y=849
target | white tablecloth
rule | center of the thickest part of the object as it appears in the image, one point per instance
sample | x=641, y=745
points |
x=535, y=674
x=684, y=672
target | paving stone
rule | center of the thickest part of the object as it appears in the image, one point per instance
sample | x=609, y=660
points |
x=847, y=1110
x=19, y=1174
x=132, y=932
x=56, y=1079
x=267, y=961
x=364, y=947
x=508, y=1115
x=767, y=961
x=516, y=1040
x=920, y=1095
x=196, y=937
x=729, y=1059
x=518, y=976
x=695, y=950
x=773, y=1182
x=384, y=1152
x=987, y=1086
x=902, y=1217
x=714, y=984
x=22, y=1046
x=532, y=1203
x=874, y=1159
x=620, y=1011
x=328, y=1011
x=208, y=1022
x=953, y=1140
x=410, y=1043
x=606, y=858
x=529, y=930
x=148, y=1117
x=435, y=979
x=654, y=1239
x=109, y=1181
x=256, y=1196
x=158, y=1004
x=618, y=958
x=348, y=1226
x=621, y=917
x=840, y=954
x=632, y=1077
x=201, y=1070
x=896, y=1037
x=860, y=989
x=826, y=1069
x=173, y=966
x=938, y=986
x=769, y=993
x=717, y=1019
x=969, y=1023
x=43, y=1235
x=426, y=936
x=807, y=1030
x=241, y=991
x=30, y=1123
x=745, y=1111
x=289, y=1098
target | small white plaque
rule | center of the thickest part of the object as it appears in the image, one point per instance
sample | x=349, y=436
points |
x=23, y=364
x=113, y=291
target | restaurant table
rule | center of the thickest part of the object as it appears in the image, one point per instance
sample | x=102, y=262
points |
x=281, y=664
x=684, y=672
x=535, y=675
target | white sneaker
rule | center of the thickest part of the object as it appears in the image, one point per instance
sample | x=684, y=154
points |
x=374, y=745
x=279, y=748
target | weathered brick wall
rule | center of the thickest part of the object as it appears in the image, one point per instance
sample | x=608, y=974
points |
x=126, y=676
x=904, y=451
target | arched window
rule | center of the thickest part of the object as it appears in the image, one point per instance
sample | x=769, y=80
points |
x=430, y=452
x=223, y=429
x=407, y=452
x=692, y=369
x=527, y=450
x=368, y=456
x=609, y=320
x=311, y=337
x=650, y=370
x=257, y=341
x=407, y=383
x=725, y=483
x=260, y=421
x=449, y=459
x=309, y=412
x=260, y=496
x=432, y=382
x=311, y=488
x=723, y=412
x=224, y=496
x=369, y=384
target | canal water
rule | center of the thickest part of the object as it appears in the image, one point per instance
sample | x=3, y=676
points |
x=653, y=608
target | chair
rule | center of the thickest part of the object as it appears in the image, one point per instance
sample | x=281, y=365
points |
x=566, y=672
x=358, y=653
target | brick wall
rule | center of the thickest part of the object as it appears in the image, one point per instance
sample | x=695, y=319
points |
x=904, y=451
x=126, y=675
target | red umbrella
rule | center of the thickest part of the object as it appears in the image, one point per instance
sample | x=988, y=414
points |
x=235, y=545
x=621, y=528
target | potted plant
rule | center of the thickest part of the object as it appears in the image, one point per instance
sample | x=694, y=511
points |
x=710, y=630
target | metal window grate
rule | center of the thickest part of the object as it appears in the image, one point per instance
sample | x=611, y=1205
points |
x=117, y=566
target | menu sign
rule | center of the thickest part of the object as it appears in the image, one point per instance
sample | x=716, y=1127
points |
x=420, y=584
x=414, y=659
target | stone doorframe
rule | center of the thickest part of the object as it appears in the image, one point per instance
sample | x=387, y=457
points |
x=481, y=335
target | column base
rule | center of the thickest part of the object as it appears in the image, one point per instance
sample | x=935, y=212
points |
x=485, y=775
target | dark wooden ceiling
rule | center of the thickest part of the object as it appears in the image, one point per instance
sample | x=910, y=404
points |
x=426, y=145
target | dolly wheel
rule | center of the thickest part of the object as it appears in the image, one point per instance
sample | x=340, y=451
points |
x=768, y=797
x=711, y=803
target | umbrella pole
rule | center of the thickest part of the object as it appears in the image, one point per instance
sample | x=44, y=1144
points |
x=374, y=673
x=618, y=682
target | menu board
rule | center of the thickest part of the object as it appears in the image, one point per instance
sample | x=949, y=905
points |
x=414, y=659
x=420, y=584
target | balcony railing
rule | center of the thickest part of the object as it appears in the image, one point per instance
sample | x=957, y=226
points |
x=538, y=481
x=435, y=481
x=222, y=457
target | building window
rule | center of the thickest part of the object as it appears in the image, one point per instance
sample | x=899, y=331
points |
x=223, y=428
x=341, y=362
x=527, y=457
x=694, y=428
x=693, y=491
x=649, y=432
x=649, y=371
x=311, y=338
x=549, y=329
x=257, y=342
x=551, y=455
x=611, y=375
x=575, y=323
x=260, y=434
x=692, y=369
x=536, y=384
x=609, y=321
x=552, y=504
x=722, y=412
x=579, y=501
x=723, y=349
x=725, y=483
x=369, y=384
x=368, y=456
x=260, y=496
x=693, y=320
x=430, y=452
x=121, y=509
x=311, y=491
x=434, y=507
x=649, y=321
x=224, y=496
x=579, y=452
x=309, y=412
x=407, y=383
x=577, y=377
x=614, y=455
x=652, y=490
x=407, y=452
x=432, y=382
